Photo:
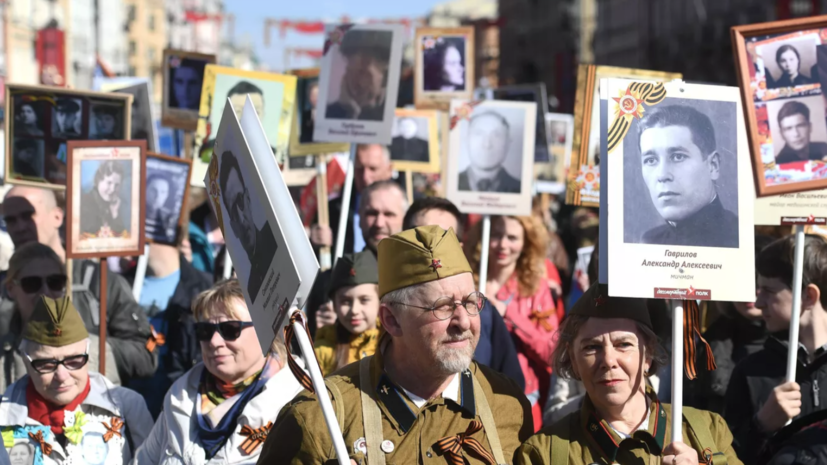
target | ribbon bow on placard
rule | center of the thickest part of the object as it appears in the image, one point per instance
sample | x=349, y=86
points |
x=452, y=446
x=44, y=446
x=692, y=327
x=113, y=430
x=301, y=376
x=541, y=319
x=255, y=437
x=463, y=112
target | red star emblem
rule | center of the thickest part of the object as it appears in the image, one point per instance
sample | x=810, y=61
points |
x=436, y=263
x=353, y=271
x=811, y=219
x=629, y=104
x=691, y=290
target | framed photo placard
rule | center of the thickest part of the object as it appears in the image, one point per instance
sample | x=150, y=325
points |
x=444, y=66
x=104, y=198
x=301, y=137
x=166, y=194
x=415, y=143
x=183, y=81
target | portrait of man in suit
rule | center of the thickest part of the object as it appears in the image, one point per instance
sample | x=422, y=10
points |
x=408, y=145
x=488, y=147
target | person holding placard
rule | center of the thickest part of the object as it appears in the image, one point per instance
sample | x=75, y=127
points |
x=759, y=401
x=421, y=398
x=610, y=345
x=354, y=335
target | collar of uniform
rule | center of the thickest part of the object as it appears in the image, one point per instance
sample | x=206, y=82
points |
x=607, y=441
x=392, y=399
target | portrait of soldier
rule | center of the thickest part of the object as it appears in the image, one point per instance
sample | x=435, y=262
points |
x=67, y=122
x=259, y=244
x=364, y=84
x=681, y=165
x=488, y=147
x=796, y=131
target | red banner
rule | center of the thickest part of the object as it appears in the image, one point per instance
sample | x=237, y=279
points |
x=51, y=56
x=309, y=203
x=306, y=52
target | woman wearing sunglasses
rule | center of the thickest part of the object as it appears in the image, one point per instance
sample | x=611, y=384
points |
x=35, y=270
x=220, y=411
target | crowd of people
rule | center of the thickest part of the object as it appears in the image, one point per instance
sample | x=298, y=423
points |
x=543, y=367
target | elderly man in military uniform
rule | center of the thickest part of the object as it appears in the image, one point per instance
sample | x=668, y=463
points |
x=59, y=405
x=364, y=84
x=421, y=398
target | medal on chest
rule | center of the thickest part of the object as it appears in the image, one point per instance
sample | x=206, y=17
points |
x=93, y=439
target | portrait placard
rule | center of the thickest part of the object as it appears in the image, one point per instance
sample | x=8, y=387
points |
x=679, y=192
x=104, y=198
x=183, y=81
x=491, y=156
x=307, y=96
x=444, y=66
x=531, y=93
x=359, y=83
x=550, y=176
x=273, y=99
x=781, y=68
x=166, y=194
x=298, y=171
x=41, y=119
x=264, y=235
x=583, y=181
x=809, y=207
x=142, y=123
x=415, y=143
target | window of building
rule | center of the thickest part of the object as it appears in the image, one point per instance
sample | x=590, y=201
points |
x=151, y=22
x=151, y=55
x=130, y=16
x=132, y=71
x=132, y=47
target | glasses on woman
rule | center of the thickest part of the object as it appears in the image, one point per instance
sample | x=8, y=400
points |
x=49, y=365
x=229, y=330
x=444, y=307
x=33, y=284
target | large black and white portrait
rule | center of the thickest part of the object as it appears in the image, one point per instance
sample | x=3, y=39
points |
x=410, y=139
x=166, y=187
x=790, y=63
x=67, y=118
x=444, y=63
x=256, y=238
x=799, y=129
x=680, y=175
x=29, y=118
x=531, y=93
x=492, y=155
x=106, y=122
x=186, y=77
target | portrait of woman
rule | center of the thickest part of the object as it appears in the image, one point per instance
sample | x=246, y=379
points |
x=788, y=59
x=101, y=208
x=27, y=119
x=444, y=69
x=21, y=453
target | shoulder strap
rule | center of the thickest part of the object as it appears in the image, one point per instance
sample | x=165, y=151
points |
x=709, y=453
x=336, y=397
x=488, y=424
x=371, y=415
x=560, y=445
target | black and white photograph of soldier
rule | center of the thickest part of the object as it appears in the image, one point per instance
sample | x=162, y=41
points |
x=308, y=95
x=105, y=202
x=28, y=118
x=106, y=122
x=359, y=82
x=410, y=139
x=790, y=63
x=28, y=157
x=680, y=175
x=186, y=76
x=259, y=244
x=67, y=119
x=799, y=132
x=492, y=152
x=444, y=64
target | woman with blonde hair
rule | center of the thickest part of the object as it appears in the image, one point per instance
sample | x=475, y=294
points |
x=519, y=284
x=36, y=270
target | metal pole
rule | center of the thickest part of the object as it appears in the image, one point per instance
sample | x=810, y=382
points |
x=798, y=268
x=228, y=264
x=321, y=390
x=347, y=192
x=140, y=274
x=677, y=371
x=486, y=240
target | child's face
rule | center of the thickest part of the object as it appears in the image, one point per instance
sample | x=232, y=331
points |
x=775, y=299
x=357, y=307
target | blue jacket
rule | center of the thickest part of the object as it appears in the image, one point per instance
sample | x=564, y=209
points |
x=494, y=334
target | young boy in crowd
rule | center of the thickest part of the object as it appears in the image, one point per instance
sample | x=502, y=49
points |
x=759, y=401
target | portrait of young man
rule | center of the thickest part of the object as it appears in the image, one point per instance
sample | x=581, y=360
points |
x=681, y=166
x=307, y=104
x=363, y=87
x=187, y=77
x=795, y=126
x=488, y=147
x=106, y=122
x=160, y=219
x=67, y=121
x=259, y=244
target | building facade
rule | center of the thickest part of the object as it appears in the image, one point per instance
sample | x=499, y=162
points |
x=146, y=25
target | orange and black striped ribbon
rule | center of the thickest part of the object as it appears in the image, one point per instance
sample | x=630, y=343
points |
x=115, y=429
x=691, y=328
x=541, y=319
x=451, y=446
x=255, y=437
x=45, y=447
x=301, y=376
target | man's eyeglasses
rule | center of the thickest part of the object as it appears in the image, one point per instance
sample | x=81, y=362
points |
x=229, y=330
x=49, y=365
x=444, y=307
x=33, y=284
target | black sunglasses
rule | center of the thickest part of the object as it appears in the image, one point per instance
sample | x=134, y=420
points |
x=229, y=330
x=46, y=365
x=33, y=284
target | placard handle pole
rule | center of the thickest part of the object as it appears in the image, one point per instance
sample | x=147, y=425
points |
x=102, y=328
x=798, y=268
x=347, y=192
x=677, y=370
x=486, y=239
x=409, y=186
x=140, y=274
x=228, y=264
x=322, y=208
x=318, y=384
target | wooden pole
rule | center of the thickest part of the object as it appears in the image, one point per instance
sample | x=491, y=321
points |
x=409, y=185
x=677, y=370
x=102, y=329
x=322, y=207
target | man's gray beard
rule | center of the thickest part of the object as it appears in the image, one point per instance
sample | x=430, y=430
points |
x=450, y=361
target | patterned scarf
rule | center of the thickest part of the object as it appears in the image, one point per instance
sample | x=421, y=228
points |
x=47, y=413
